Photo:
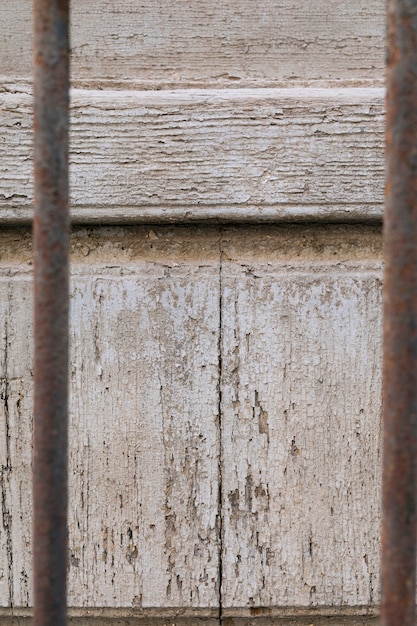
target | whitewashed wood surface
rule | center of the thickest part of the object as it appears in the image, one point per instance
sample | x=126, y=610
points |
x=183, y=617
x=144, y=454
x=225, y=381
x=194, y=43
x=244, y=154
x=301, y=408
x=301, y=434
x=295, y=448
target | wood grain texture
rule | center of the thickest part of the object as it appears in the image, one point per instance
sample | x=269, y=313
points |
x=256, y=617
x=146, y=526
x=271, y=154
x=143, y=518
x=15, y=437
x=300, y=621
x=301, y=405
x=122, y=616
x=188, y=43
x=163, y=621
x=297, y=310
x=167, y=621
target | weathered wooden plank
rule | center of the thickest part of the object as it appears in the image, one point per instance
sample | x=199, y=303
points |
x=272, y=154
x=144, y=421
x=300, y=621
x=121, y=617
x=151, y=345
x=263, y=617
x=300, y=317
x=16, y=440
x=126, y=616
x=266, y=616
x=301, y=404
x=6, y=564
x=301, y=616
x=209, y=43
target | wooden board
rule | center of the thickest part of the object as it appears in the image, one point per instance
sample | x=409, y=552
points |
x=240, y=155
x=144, y=451
x=15, y=436
x=301, y=407
x=190, y=43
x=298, y=311
x=254, y=617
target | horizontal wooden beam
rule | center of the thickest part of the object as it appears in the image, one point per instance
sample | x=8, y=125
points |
x=199, y=155
x=330, y=616
x=194, y=43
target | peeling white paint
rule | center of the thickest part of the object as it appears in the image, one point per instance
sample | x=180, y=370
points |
x=231, y=154
x=299, y=320
x=206, y=43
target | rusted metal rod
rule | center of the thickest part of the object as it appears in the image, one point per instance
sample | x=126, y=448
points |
x=399, y=507
x=51, y=245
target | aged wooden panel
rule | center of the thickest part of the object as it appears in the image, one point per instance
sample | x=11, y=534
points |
x=313, y=616
x=5, y=539
x=121, y=617
x=242, y=154
x=154, y=377
x=300, y=621
x=144, y=421
x=264, y=617
x=186, y=617
x=297, y=310
x=207, y=43
x=15, y=434
x=301, y=405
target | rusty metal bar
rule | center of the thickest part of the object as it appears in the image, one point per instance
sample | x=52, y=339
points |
x=51, y=245
x=399, y=507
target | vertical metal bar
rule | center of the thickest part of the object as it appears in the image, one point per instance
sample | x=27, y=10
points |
x=51, y=243
x=399, y=508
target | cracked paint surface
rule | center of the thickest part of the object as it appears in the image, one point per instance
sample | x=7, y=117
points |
x=224, y=417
